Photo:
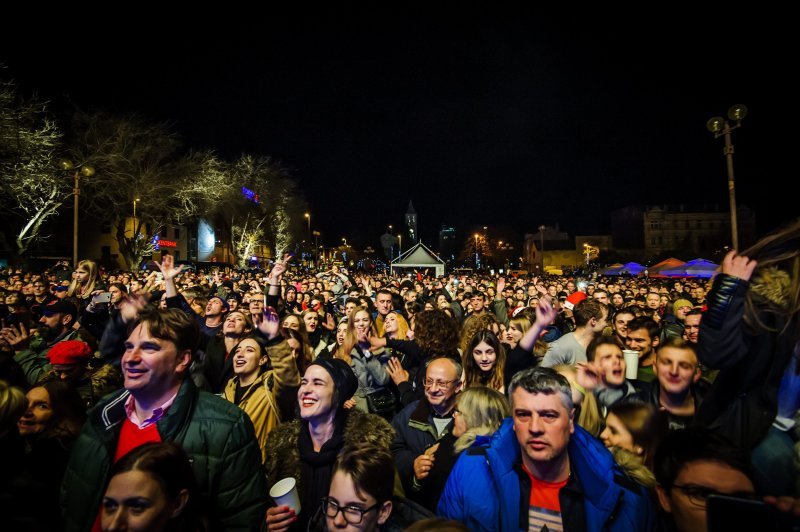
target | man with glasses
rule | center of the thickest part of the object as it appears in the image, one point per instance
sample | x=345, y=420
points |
x=360, y=495
x=423, y=423
x=39, y=298
x=692, y=464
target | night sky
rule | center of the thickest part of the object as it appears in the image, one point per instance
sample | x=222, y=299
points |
x=507, y=119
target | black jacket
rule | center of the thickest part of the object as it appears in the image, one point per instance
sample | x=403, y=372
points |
x=743, y=402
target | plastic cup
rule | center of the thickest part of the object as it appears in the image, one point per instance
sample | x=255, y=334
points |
x=631, y=363
x=284, y=493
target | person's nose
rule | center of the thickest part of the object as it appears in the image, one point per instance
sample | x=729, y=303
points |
x=119, y=521
x=536, y=425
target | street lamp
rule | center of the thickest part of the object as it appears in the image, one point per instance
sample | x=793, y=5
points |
x=477, y=259
x=541, y=242
x=721, y=127
x=308, y=217
x=81, y=170
x=399, y=244
x=390, y=228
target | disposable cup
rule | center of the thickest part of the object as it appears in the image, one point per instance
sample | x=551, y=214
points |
x=631, y=363
x=284, y=492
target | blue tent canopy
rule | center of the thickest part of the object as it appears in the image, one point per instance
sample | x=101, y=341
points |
x=694, y=268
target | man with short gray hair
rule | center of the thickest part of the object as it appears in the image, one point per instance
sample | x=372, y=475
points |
x=542, y=472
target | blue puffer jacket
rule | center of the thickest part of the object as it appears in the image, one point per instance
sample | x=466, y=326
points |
x=483, y=490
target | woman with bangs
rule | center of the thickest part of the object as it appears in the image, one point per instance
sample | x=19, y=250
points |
x=368, y=363
x=216, y=363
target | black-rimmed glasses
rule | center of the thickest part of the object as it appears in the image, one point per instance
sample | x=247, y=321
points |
x=352, y=514
x=698, y=495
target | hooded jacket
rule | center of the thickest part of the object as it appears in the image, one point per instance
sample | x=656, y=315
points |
x=485, y=490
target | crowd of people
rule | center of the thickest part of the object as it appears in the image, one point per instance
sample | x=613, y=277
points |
x=174, y=400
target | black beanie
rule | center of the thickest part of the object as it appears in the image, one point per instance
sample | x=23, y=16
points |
x=344, y=379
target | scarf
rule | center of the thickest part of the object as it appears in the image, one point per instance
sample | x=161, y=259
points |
x=316, y=468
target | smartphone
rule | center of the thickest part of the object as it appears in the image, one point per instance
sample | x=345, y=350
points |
x=103, y=297
x=726, y=513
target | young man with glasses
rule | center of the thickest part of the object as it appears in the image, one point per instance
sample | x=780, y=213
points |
x=423, y=423
x=691, y=465
x=360, y=495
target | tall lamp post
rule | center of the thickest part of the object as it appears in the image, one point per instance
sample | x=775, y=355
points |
x=81, y=170
x=541, y=246
x=308, y=217
x=721, y=127
x=477, y=259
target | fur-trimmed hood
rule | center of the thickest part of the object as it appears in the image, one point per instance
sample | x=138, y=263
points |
x=283, y=450
x=772, y=285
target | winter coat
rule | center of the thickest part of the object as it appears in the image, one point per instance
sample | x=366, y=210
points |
x=414, y=433
x=485, y=490
x=260, y=401
x=216, y=435
x=283, y=459
x=743, y=402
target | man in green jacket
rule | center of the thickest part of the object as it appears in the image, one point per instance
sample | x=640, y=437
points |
x=160, y=403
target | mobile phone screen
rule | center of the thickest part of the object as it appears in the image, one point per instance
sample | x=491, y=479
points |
x=734, y=513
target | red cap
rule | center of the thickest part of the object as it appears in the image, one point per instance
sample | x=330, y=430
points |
x=69, y=352
x=573, y=299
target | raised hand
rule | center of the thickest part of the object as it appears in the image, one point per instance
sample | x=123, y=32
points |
x=270, y=323
x=738, y=265
x=501, y=284
x=17, y=338
x=168, y=269
x=131, y=306
x=545, y=313
x=395, y=370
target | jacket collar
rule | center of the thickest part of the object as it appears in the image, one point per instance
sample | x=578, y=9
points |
x=112, y=412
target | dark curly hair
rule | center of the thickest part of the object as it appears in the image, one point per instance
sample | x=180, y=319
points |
x=436, y=333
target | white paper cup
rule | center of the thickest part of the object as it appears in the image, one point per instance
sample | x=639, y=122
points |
x=631, y=363
x=284, y=492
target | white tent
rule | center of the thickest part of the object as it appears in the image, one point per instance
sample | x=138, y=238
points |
x=419, y=256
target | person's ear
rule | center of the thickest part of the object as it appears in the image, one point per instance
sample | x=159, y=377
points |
x=572, y=421
x=180, y=503
x=656, y=341
x=697, y=374
x=184, y=360
x=663, y=499
x=263, y=360
x=384, y=512
x=66, y=320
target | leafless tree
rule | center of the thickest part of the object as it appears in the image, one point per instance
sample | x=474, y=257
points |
x=31, y=186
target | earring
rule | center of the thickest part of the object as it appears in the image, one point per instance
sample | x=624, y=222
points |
x=638, y=450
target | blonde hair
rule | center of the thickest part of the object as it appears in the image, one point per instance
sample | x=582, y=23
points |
x=483, y=410
x=350, y=337
x=402, y=327
x=589, y=416
x=12, y=405
x=84, y=291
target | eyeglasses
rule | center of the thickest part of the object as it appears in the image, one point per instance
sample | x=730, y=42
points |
x=428, y=383
x=698, y=495
x=351, y=514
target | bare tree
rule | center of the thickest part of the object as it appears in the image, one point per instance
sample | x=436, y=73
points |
x=139, y=162
x=31, y=186
x=262, y=206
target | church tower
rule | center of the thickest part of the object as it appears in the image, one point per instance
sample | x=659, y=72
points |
x=411, y=224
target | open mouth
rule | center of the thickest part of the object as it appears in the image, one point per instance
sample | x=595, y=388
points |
x=308, y=402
